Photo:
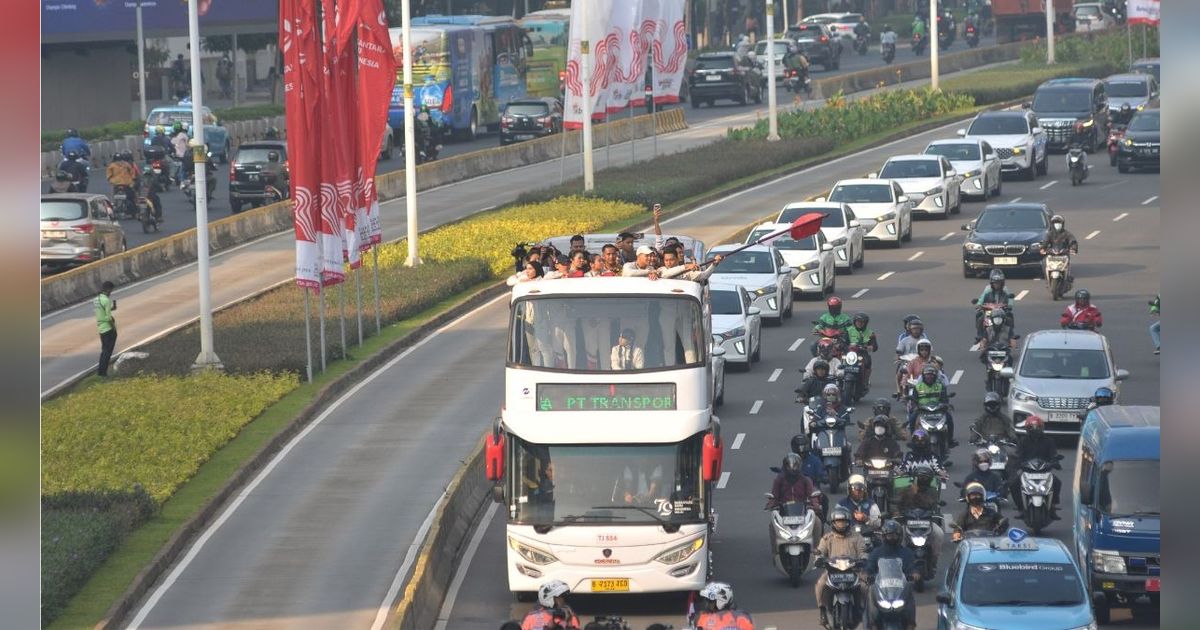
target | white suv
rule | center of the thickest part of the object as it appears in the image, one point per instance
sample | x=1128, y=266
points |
x=1017, y=139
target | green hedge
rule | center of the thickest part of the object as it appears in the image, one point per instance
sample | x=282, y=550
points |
x=1016, y=81
x=1106, y=47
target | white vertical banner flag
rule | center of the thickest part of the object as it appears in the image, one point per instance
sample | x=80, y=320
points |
x=648, y=31
x=669, y=48
x=1142, y=12
x=596, y=32
x=624, y=46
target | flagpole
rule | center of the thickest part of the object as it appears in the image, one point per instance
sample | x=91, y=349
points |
x=410, y=149
x=932, y=34
x=358, y=309
x=321, y=311
x=375, y=268
x=308, y=366
x=562, y=160
x=772, y=110
x=586, y=63
x=342, y=314
x=805, y=218
x=1049, y=32
x=207, y=357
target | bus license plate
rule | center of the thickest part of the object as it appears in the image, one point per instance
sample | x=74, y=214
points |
x=1005, y=260
x=618, y=585
x=1064, y=417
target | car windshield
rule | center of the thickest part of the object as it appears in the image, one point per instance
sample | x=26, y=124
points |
x=784, y=241
x=1087, y=11
x=168, y=118
x=1062, y=100
x=1021, y=584
x=810, y=30
x=998, y=126
x=1126, y=89
x=1003, y=220
x=64, y=210
x=626, y=484
x=1147, y=68
x=781, y=49
x=862, y=193
x=527, y=109
x=1065, y=363
x=714, y=63
x=960, y=151
x=1129, y=487
x=578, y=333
x=903, y=169
x=833, y=215
x=1144, y=121
x=253, y=155
x=746, y=262
x=725, y=302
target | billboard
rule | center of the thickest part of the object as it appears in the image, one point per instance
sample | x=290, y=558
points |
x=99, y=20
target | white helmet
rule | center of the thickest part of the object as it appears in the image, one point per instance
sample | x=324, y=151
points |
x=719, y=593
x=550, y=590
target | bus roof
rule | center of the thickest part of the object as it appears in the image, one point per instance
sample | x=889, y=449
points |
x=1130, y=432
x=618, y=286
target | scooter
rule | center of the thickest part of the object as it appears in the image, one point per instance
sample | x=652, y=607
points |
x=836, y=335
x=147, y=216
x=1057, y=268
x=918, y=527
x=932, y=418
x=918, y=44
x=853, y=377
x=891, y=593
x=158, y=168
x=998, y=357
x=1116, y=134
x=1077, y=164
x=79, y=175
x=841, y=576
x=887, y=52
x=210, y=184
x=795, y=83
x=62, y=183
x=861, y=44
x=971, y=34
x=790, y=533
x=880, y=474
x=124, y=205
x=1037, y=490
x=829, y=439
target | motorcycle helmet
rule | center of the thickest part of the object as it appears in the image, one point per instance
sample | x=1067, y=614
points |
x=924, y=474
x=1082, y=297
x=920, y=440
x=832, y=394
x=981, y=459
x=1103, y=396
x=882, y=407
x=925, y=344
x=177, y=127
x=72, y=133
x=821, y=365
x=975, y=493
x=915, y=326
x=996, y=276
x=856, y=487
x=1034, y=425
x=991, y=402
x=717, y=595
x=891, y=532
x=880, y=425
x=272, y=133
x=910, y=318
x=1057, y=222
x=800, y=444
x=929, y=374
x=550, y=590
x=840, y=520
x=834, y=303
x=792, y=466
x=825, y=348
x=862, y=317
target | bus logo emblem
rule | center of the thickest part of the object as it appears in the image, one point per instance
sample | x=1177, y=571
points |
x=607, y=553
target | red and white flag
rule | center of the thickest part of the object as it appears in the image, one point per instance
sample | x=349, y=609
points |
x=604, y=52
x=668, y=49
x=376, y=79
x=301, y=48
x=1142, y=12
x=331, y=230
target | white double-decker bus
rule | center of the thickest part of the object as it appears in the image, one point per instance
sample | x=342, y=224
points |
x=606, y=450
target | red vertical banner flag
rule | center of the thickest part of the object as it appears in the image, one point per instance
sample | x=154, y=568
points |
x=344, y=141
x=331, y=230
x=301, y=86
x=376, y=79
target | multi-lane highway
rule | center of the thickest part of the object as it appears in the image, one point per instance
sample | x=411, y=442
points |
x=319, y=538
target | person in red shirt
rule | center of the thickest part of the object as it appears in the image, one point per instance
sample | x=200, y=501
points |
x=579, y=264
x=1082, y=314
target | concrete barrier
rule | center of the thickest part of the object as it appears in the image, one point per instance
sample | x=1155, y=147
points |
x=913, y=70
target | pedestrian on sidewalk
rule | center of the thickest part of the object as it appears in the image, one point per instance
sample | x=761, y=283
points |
x=106, y=324
x=1156, y=327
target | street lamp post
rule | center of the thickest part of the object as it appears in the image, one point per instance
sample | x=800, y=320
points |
x=772, y=111
x=410, y=145
x=207, y=357
x=141, y=52
x=1049, y=30
x=932, y=34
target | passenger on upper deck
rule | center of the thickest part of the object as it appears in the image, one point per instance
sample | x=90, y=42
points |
x=643, y=266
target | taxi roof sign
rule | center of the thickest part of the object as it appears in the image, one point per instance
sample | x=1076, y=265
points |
x=1017, y=540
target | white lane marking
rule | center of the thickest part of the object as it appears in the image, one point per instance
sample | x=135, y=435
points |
x=795, y=344
x=1120, y=216
x=916, y=255
x=886, y=275
x=957, y=375
x=461, y=574
x=414, y=548
x=1022, y=294
x=409, y=558
x=775, y=375
x=948, y=235
x=1150, y=200
x=723, y=481
x=1049, y=184
x=860, y=293
x=1015, y=200
x=755, y=407
x=1091, y=236
x=737, y=441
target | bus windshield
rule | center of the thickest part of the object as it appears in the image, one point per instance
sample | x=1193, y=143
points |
x=600, y=333
x=626, y=484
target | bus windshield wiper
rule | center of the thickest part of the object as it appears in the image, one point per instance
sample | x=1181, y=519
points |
x=571, y=518
x=668, y=526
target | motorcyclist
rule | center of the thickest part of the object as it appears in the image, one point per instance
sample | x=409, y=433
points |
x=893, y=547
x=1082, y=314
x=843, y=541
x=1079, y=140
x=1060, y=237
x=920, y=454
x=887, y=36
x=929, y=390
x=791, y=485
x=916, y=365
x=813, y=467
x=861, y=30
x=994, y=293
x=552, y=610
x=72, y=166
x=862, y=509
x=921, y=495
x=883, y=407
x=982, y=473
x=719, y=612
x=1035, y=444
x=993, y=421
x=742, y=48
x=904, y=328
x=122, y=171
x=161, y=139
x=906, y=348
x=918, y=26
x=825, y=353
x=832, y=318
x=814, y=385
x=272, y=133
x=879, y=443
x=73, y=143
x=180, y=149
x=795, y=59
x=977, y=515
x=860, y=334
x=1101, y=398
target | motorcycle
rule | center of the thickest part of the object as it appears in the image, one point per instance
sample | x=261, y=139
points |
x=861, y=44
x=1115, y=135
x=854, y=376
x=795, y=83
x=996, y=317
x=78, y=175
x=918, y=527
x=1077, y=164
x=210, y=184
x=829, y=440
x=887, y=52
x=918, y=44
x=880, y=474
x=147, y=215
x=933, y=419
x=890, y=592
x=1057, y=268
x=124, y=203
x=158, y=168
x=991, y=499
x=1037, y=488
x=836, y=335
x=62, y=183
x=842, y=579
x=790, y=533
x=998, y=357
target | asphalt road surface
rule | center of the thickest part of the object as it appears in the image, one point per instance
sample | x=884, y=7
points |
x=318, y=538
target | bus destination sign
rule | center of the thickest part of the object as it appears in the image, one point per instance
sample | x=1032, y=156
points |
x=606, y=396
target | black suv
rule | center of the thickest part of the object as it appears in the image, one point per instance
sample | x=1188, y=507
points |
x=1142, y=144
x=1006, y=236
x=818, y=43
x=257, y=165
x=723, y=75
x=529, y=118
x=1060, y=103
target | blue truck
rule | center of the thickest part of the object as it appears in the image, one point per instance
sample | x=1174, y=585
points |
x=1117, y=509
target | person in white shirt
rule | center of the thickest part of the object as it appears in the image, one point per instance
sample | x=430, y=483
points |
x=626, y=355
x=642, y=267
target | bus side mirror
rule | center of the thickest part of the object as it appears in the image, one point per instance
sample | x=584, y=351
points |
x=711, y=458
x=493, y=456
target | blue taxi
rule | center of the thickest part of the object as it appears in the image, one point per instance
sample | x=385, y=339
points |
x=1014, y=582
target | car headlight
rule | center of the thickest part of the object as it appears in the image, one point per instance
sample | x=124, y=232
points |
x=1023, y=395
x=1105, y=561
x=770, y=288
x=736, y=332
x=1141, y=107
x=1088, y=123
x=1128, y=142
x=970, y=174
x=678, y=554
x=1036, y=245
x=933, y=191
x=973, y=247
x=531, y=553
x=886, y=217
x=838, y=242
x=1018, y=150
x=803, y=266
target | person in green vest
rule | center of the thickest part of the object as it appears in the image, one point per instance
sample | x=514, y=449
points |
x=833, y=318
x=106, y=325
x=860, y=334
x=930, y=390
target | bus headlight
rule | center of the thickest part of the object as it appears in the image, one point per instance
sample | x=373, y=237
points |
x=682, y=552
x=531, y=553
